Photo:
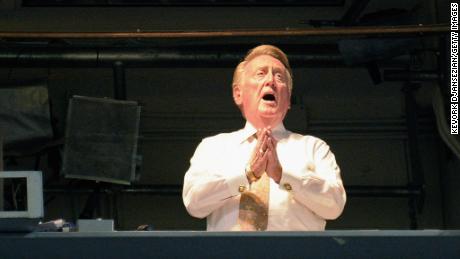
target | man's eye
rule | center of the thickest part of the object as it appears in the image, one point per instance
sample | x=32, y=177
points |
x=260, y=73
x=279, y=77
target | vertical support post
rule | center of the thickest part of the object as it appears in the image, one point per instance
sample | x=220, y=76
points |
x=1, y=169
x=119, y=81
x=416, y=177
x=119, y=84
x=1, y=153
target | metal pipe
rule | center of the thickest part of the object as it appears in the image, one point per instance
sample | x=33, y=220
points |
x=410, y=76
x=330, y=129
x=346, y=31
x=383, y=191
x=202, y=56
x=48, y=56
x=119, y=81
x=353, y=191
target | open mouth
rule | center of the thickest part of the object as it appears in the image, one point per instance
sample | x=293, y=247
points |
x=269, y=97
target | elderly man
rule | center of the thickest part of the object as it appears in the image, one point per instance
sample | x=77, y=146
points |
x=263, y=177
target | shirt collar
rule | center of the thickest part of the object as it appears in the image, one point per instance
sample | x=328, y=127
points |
x=249, y=130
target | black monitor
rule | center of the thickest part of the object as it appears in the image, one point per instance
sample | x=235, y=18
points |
x=101, y=140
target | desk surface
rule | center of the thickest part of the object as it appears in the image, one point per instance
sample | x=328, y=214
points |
x=198, y=244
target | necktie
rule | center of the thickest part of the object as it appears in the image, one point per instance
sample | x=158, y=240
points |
x=253, y=214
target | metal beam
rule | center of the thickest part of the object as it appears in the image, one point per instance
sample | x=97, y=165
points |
x=345, y=31
x=17, y=55
x=174, y=190
x=49, y=56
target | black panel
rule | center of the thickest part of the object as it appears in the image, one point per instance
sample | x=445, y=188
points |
x=25, y=120
x=101, y=139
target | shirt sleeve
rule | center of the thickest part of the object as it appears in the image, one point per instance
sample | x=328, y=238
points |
x=206, y=186
x=317, y=185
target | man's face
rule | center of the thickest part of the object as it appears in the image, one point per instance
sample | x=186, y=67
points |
x=263, y=92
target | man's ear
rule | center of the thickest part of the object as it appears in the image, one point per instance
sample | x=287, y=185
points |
x=237, y=95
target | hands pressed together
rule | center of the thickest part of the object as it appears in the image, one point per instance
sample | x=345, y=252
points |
x=264, y=157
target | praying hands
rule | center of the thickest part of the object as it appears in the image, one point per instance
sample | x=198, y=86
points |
x=264, y=157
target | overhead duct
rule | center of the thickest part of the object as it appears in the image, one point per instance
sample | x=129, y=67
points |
x=365, y=50
x=48, y=56
x=360, y=51
x=26, y=49
x=368, y=51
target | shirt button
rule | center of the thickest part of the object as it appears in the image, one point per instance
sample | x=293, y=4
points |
x=242, y=188
x=311, y=167
x=287, y=186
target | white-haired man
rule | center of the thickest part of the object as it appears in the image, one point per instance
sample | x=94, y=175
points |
x=263, y=177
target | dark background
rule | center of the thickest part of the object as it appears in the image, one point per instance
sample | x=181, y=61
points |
x=398, y=172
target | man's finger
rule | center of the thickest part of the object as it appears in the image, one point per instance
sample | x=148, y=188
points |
x=269, y=132
x=270, y=161
x=271, y=144
x=260, y=137
x=264, y=144
x=265, y=155
x=275, y=156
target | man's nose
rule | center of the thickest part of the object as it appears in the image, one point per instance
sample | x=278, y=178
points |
x=269, y=80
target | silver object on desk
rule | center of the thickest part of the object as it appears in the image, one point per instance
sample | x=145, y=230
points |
x=95, y=225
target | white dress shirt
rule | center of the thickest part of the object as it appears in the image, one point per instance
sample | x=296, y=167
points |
x=310, y=190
